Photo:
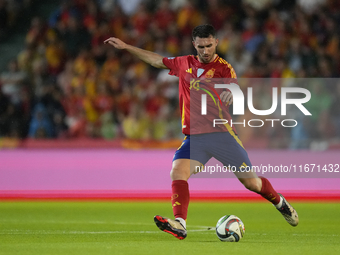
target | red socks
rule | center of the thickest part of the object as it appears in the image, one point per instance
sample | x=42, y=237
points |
x=268, y=192
x=180, y=198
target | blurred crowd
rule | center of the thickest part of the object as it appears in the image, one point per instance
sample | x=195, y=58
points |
x=66, y=83
x=10, y=11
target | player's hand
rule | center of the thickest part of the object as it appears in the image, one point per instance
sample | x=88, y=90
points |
x=115, y=42
x=227, y=96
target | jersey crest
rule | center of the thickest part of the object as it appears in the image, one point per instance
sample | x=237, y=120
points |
x=210, y=73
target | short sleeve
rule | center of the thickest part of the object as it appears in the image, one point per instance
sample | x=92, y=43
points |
x=230, y=74
x=229, y=71
x=174, y=64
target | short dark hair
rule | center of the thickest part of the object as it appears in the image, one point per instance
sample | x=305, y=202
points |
x=203, y=31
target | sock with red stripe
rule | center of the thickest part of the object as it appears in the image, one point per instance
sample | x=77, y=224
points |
x=180, y=198
x=268, y=192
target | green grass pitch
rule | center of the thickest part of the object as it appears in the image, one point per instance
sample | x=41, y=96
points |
x=101, y=228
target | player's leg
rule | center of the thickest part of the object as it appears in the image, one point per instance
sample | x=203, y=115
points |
x=259, y=185
x=268, y=192
x=263, y=187
x=181, y=170
x=235, y=155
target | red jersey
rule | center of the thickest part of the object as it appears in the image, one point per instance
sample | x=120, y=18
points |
x=195, y=79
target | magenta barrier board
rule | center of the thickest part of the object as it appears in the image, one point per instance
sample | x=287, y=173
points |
x=148, y=170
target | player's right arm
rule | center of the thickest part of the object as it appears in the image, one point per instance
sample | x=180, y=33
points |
x=148, y=57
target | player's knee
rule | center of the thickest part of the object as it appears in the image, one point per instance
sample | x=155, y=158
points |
x=178, y=173
x=251, y=184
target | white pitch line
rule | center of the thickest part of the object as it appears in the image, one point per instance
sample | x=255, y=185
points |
x=47, y=232
x=61, y=232
x=97, y=222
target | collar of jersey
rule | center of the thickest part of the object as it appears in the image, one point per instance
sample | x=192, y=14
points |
x=200, y=64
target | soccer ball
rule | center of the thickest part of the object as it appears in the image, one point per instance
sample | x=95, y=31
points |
x=230, y=228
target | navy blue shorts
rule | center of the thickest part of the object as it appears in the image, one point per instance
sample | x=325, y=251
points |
x=224, y=146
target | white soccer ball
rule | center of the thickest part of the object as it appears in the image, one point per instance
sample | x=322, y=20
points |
x=230, y=228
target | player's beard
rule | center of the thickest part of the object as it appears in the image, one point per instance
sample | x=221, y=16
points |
x=207, y=59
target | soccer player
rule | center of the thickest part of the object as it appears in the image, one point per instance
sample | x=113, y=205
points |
x=219, y=142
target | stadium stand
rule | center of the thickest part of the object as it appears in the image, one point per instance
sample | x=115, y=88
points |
x=66, y=84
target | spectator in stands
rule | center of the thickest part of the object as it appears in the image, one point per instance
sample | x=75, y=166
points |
x=75, y=36
x=97, y=46
x=137, y=124
x=59, y=125
x=164, y=15
x=12, y=82
x=4, y=104
x=240, y=57
x=129, y=7
x=54, y=53
x=37, y=32
x=13, y=123
x=61, y=15
x=109, y=129
x=103, y=101
x=51, y=101
x=64, y=79
x=40, y=126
